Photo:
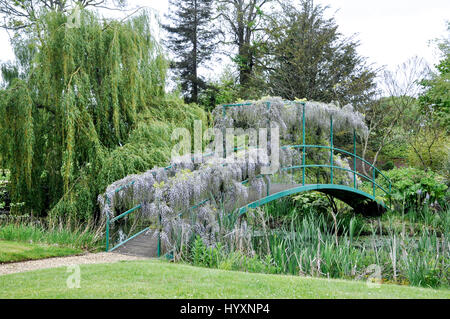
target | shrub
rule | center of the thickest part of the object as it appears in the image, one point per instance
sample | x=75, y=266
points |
x=312, y=200
x=412, y=188
x=4, y=177
x=387, y=166
x=432, y=147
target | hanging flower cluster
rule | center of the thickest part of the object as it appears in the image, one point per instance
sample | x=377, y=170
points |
x=346, y=176
x=288, y=115
x=168, y=193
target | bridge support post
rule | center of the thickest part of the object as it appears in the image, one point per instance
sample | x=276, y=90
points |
x=107, y=224
x=331, y=149
x=373, y=183
x=354, y=158
x=304, y=147
x=390, y=197
x=158, y=251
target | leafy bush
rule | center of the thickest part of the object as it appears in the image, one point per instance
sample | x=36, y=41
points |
x=4, y=177
x=433, y=149
x=202, y=255
x=222, y=91
x=313, y=200
x=387, y=166
x=412, y=188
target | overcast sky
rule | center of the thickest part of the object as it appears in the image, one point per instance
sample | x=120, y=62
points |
x=390, y=31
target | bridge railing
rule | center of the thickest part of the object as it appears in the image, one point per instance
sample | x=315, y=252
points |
x=331, y=166
x=110, y=221
x=303, y=166
x=332, y=149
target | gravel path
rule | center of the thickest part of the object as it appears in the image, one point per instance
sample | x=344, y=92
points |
x=89, y=258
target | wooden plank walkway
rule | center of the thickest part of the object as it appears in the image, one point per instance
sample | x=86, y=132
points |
x=145, y=245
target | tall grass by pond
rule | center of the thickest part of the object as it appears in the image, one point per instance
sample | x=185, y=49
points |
x=282, y=239
x=86, y=236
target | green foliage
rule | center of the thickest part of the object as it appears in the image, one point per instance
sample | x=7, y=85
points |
x=244, y=22
x=84, y=89
x=22, y=15
x=397, y=149
x=424, y=268
x=91, y=110
x=201, y=255
x=4, y=180
x=437, y=89
x=223, y=91
x=308, y=246
x=85, y=237
x=239, y=262
x=191, y=39
x=285, y=239
x=17, y=138
x=215, y=257
x=148, y=145
x=413, y=188
x=388, y=166
x=311, y=201
x=308, y=58
x=429, y=150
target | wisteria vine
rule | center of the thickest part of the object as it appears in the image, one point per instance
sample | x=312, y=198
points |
x=216, y=185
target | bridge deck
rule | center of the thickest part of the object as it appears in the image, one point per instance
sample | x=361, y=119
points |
x=142, y=245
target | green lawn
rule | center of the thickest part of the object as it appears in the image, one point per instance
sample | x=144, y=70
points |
x=160, y=279
x=19, y=251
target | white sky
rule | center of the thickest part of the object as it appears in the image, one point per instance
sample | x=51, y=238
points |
x=390, y=31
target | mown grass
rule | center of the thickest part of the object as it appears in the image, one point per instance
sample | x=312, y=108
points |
x=17, y=251
x=159, y=279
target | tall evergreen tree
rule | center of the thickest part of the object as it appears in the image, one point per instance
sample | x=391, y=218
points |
x=191, y=39
x=309, y=58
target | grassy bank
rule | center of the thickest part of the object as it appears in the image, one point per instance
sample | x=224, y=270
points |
x=158, y=279
x=18, y=251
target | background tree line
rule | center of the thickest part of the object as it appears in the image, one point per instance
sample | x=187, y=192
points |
x=290, y=49
x=83, y=107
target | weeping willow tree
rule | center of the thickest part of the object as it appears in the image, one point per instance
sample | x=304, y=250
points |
x=90, y=106
x=17, y=136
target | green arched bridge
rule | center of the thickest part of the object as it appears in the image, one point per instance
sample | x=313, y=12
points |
x=362, y=201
